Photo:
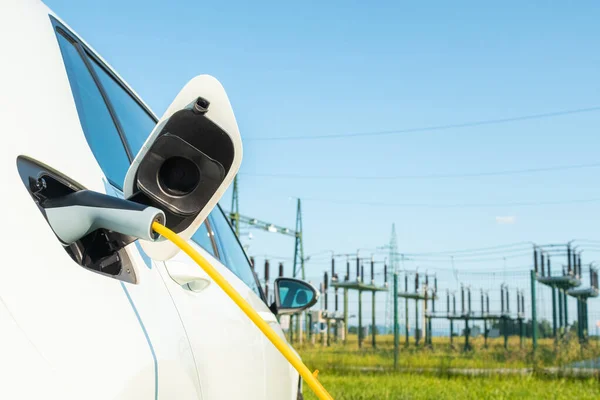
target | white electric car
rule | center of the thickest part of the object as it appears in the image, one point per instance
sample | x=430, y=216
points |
x=103, y=315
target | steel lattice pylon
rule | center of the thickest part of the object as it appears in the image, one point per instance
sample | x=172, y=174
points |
x=298, y=246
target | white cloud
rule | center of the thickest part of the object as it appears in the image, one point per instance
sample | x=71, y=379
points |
x=506, y=220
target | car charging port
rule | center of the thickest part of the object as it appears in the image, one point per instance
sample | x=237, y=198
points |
x=102, y=250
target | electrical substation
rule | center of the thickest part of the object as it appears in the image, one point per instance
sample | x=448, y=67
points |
x=549, y=295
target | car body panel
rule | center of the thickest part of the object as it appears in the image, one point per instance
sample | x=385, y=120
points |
x=72, y=333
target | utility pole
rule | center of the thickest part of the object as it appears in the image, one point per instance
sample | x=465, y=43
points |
x=534, y=328
x=452, y=320
x=416, y=310
x=396, y=327
x=406, y=327
x=554, y=330
x=393, y=259
x=373, y=324
x=346, y=278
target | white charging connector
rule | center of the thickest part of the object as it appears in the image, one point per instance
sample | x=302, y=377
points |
x=75, y=215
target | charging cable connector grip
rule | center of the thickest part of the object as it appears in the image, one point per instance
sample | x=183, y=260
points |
x=77, y=214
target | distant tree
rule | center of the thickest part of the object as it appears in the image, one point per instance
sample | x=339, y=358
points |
x=512, y=327
x=544, y=328
x=376, y=330
x=573, y=327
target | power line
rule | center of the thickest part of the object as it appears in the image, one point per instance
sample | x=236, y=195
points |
x=472, y=250
x=473, y=260
x=587, y=240
x=462, y=256
x=431, y=128
x=465, y=205
x=428, y=176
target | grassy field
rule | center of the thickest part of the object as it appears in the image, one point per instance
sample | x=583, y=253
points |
x=411, y=386
x=361, y=374
x=443, y=357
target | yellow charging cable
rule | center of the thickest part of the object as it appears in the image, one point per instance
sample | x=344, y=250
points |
x=277, y=341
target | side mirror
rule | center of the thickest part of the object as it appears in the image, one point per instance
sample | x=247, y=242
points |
x=293, y=295
x=187, y=162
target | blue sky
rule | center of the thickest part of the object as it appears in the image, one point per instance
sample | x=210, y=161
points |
x=317, y=68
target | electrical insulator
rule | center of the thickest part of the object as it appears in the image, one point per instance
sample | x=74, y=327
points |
x=385, y=277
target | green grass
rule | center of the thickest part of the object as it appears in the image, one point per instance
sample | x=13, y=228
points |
x=443, y=357
x=350, y=373
x=412, y=386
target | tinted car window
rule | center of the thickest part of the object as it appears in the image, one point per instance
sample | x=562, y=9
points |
x=96, y=121
x=135, y=121
x=230, y=250
x=202, y=239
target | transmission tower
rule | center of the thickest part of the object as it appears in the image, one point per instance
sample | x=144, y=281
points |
x=298, y=246
x=238, y=220
x=393, y=269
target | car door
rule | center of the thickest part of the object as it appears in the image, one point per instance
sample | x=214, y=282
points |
x=281, y=378
x=228, y=348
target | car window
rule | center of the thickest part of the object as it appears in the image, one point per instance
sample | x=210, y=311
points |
x=135, y=122
x=202, y=238
x=230, y=250
x=97, y=124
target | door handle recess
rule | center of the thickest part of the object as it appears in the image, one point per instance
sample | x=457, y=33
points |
x=268, y=317
x=188, y=276
x=271, y=319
